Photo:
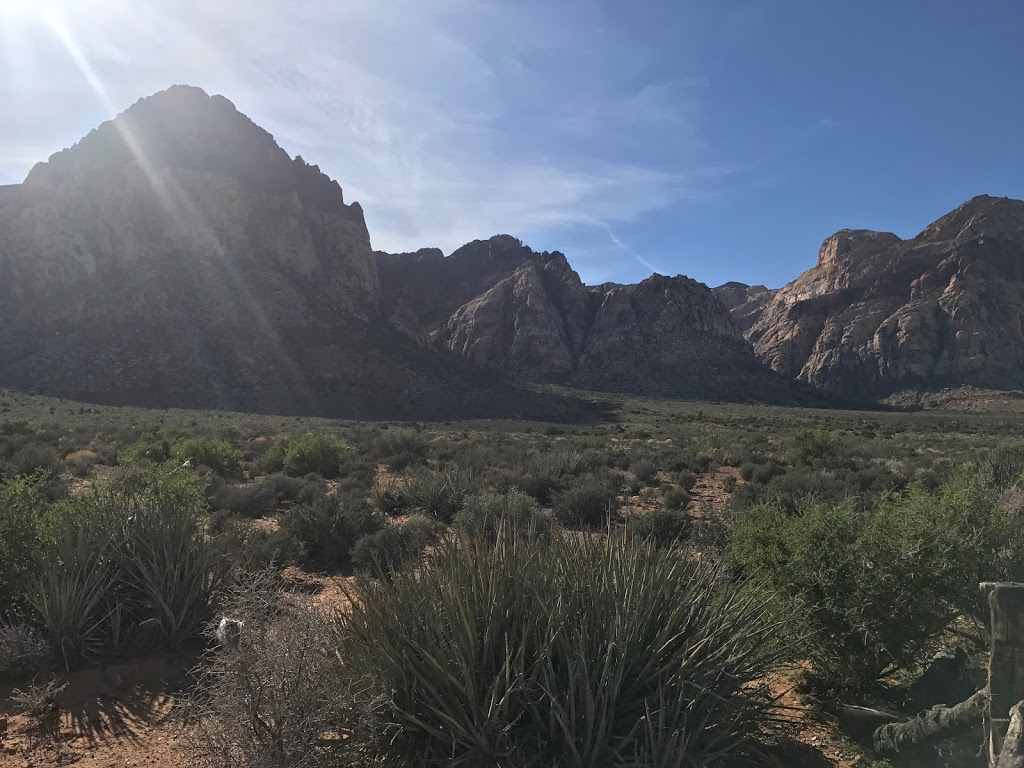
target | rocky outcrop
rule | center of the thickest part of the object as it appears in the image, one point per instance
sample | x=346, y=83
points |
x=528, y=315
x=178, y=256
x=746, y=303
x=878, y=314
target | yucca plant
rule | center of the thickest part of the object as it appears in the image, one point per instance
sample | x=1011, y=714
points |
x=569, y=462
x=441, y=492
x=171, y=571
x=582, y=653
x=129, y=559
x=72, y=593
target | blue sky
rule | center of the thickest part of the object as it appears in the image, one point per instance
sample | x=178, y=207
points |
x=722, y=140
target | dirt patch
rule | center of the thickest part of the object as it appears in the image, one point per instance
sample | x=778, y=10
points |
x=709, y=497
x=327, y=590
x=795, y=738
x=117, y=715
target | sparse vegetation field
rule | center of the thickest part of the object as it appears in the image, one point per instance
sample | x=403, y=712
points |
x=510, y=579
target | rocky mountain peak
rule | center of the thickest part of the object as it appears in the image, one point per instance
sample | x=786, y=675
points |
x=185, y=129
x=851, y=245
x=999, y=217
x=879, y=314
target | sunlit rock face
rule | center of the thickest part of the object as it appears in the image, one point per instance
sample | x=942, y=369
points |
x=878, y=314
x=177, y=254
x=528, y=315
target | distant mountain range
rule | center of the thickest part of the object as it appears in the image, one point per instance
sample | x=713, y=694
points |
x=178, y=256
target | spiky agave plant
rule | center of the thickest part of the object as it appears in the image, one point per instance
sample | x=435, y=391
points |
x=583, y=652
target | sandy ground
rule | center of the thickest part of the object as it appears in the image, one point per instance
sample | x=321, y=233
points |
x=119, y=715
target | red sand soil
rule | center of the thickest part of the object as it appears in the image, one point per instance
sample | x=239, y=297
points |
x=119, y=715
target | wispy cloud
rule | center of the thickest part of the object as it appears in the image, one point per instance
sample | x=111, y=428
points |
x=447, y=120
x=629, y=250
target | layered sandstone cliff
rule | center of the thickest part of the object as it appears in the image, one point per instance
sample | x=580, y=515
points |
x=878, y=314
x=528, y=315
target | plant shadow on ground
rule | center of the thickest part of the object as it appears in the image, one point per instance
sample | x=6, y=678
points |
x=115, y=707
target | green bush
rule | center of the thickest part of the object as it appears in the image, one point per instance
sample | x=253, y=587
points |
x=645, y=471
x=400, y=448
x=298, y=489
x=217, y=455
x=35, y=458
x=246, y=500
x=819, y=448
x=576, y=653
x=325, y=530
x=538, y=480
x=23, y=539
x=676, y=498
x=588, y=503
x=312, y=453
x=483, y=515
x=875, y=588
x=23, y=652
x=665, y=527
x=248, y=549
x=152, y=445
x=393, y=548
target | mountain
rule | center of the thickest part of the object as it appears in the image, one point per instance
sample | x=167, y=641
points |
x=528, y=315
x=879, y=315
x=178, y=256
x=745, y=303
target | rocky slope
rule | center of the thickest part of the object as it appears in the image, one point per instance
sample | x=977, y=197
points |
x=177, y=255
x=878, y=314
x=528, y=315
x=746, y=303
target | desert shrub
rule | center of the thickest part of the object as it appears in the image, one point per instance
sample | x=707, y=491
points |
x=569, y=462
x=676, y=498
x=400, y=448
x=247, y=500
x=538, y=480
x=644, y=470
x=356, y=474
x=152, y=445
x=389, y=497
x=220, y=457
x=128, y=561
x=632, y=486
x=729, y=484
x=298, y=489
x=80, y=463
x=875, y=588
x=35, y=458
x=270, y=701
x=23, y=651
x=441, y=492
x=484, y=514
x=312, y=453
x=1005, y=464
x=248, y=549
x=325, y=530
x=392, y=548
x=686, y=479
x=747, y=470
x=23, y=539
x=517, y=654
x=664, y=527
x=819, y=448
x=587, y=503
